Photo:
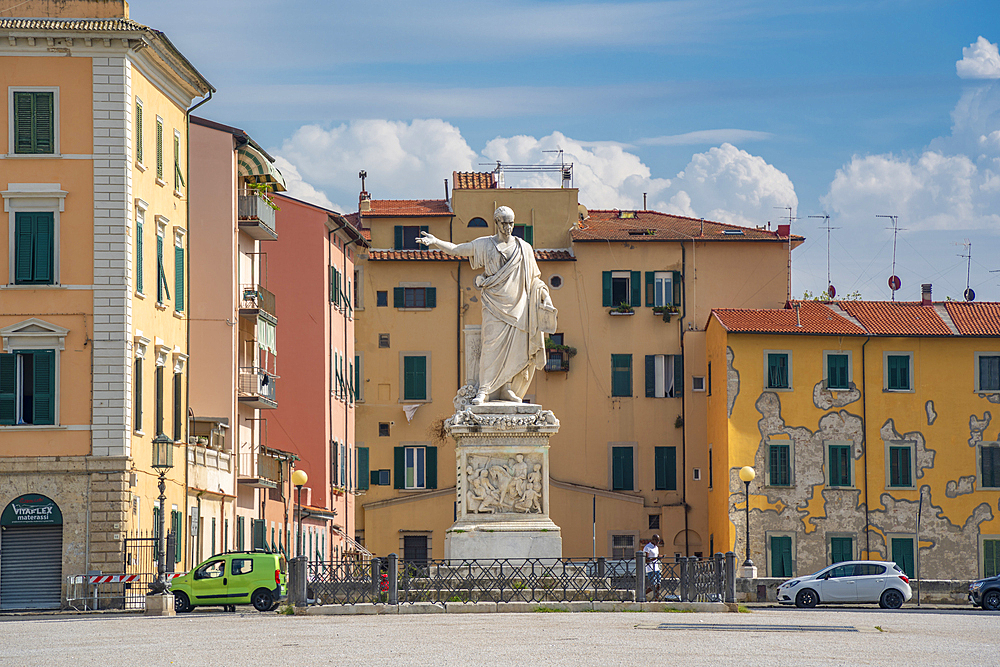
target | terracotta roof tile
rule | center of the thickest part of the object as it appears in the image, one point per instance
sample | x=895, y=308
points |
x=554, y=256
x=814, y=318
x=406, y=208
x=90, y=25
x=641, y=226
x=899, y=318
x=437, y=255
x=474, y=180
x=975, y=319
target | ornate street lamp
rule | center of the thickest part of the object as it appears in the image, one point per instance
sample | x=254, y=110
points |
x=747, y=473
x=299, y=479
x=163, y=460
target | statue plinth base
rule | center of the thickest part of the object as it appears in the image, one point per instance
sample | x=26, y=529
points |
x=502, y=458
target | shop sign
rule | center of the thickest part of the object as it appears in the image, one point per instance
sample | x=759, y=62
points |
x=31, y=509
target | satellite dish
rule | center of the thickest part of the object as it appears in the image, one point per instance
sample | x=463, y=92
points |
x=895, y=283
x=831, y=291
x=969, y=294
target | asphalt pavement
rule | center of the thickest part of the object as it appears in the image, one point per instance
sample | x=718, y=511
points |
x=955, y=637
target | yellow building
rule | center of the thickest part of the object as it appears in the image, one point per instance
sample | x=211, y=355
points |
x=628, y=387
x=93, y=308
x=869, y=427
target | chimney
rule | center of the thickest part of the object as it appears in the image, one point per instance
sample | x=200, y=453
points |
x=567, y=176
x=798, y=319
x=364, y=199
x=925, y=295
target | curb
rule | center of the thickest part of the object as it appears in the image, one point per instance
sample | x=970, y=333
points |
x=367, y=608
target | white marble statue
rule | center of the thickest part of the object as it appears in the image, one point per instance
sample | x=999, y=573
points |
x=517, y=308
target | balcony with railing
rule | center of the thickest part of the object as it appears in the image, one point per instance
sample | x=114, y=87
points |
x=259, y=469
x=255, y=299
x=256, y=388
x=255, y=215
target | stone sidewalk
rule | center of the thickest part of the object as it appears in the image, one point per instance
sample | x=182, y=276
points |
x=510, y=607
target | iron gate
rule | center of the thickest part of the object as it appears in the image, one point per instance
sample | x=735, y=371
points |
x=140, y=559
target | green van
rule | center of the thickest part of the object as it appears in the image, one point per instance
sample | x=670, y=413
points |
x=245, y=577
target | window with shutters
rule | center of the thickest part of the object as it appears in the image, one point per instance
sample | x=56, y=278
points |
x=665, y=467
x=841, y=549
x=987, y=372
x=663, y=289
x=778, y=370
x=622, y=467
x=414, y=296
x=178, y=407
x=178, y=172
x=137, y=132
x=359, y=385
x=34, y=248
x=989, y=465
x=406, y=237
x=902, y=553
x=837, y=370
x=991, y=555
x=664, y=375
x=416, y=467
x=415, y=371
x=28, y=387
x=137, y=396
x=363, y=477
x=840, y=464
x=779, y=463
x=140, y=222
x=621, y=375
x=162, y=288
x=179, y=274
x=900, y=460
x=381, y=298
x=622, y=287
x=780, y=547
x=526, y=232
x=34, y=121
x=158, y=396
x=897, y=371
x=159, y=151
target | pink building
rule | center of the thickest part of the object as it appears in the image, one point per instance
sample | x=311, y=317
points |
x=312, y=271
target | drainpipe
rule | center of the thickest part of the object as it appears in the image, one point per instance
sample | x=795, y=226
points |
x=187, y=323
x=864, y=439
x=684, y=486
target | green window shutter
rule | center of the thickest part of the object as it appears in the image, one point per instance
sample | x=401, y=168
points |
x=415, y=378
x=606, y=289
x=45, y=387
x=399, y=467
x=840, y=465
x=176, y=524
x=991, y=558
x=902, y=554
x=423, y=228
x=650, y=288
x=43, y=248
x=398, y=244
x=138, y=258
x=431, y=468
x=398, y=297
x=899, y=372
x=899, y=466
x=137, y=389
x=990, y=466
x=159, y=269
x=159, y=400
x=836, y=371
x=178, y=174
x=676, y=283
x=159, y=150
x=621, y=469
x=24, y=238
x=357, y=377
x=621, y=375
x=431, y=297
x=777, y=371
x=665, y=466
x=45, y=131
x=178, y=407
x=138, y=133
x=24, y=122
x=8, y=388
x=364, y=475
x=529, y=234
x=678, y=375
x=636, y=284
x=179, y=279
x=841, y=549
x=781, y=556
x=650, y=376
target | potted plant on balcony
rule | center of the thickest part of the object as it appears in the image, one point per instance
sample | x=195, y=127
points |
x=623, y=308
x=262, y=190
x=665, y=311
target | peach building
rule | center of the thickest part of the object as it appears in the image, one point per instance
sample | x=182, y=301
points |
x=93, y=289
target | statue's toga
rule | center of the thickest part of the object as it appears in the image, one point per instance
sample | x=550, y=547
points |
x=517, y=309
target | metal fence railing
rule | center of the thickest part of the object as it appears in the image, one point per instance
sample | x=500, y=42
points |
x=396, y=581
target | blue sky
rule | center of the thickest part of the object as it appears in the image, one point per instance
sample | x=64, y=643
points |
x=717, y=109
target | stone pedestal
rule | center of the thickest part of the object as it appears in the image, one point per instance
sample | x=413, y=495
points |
x=502, y=458
x=160, y=605
x=748, y=571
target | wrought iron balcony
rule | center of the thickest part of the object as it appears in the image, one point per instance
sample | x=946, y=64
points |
x=255, y=299
x=255, y=215
x=256, y=388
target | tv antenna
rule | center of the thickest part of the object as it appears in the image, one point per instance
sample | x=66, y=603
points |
x=969, y=294
x=790, y=218
x=831, y=291
x=894, y=282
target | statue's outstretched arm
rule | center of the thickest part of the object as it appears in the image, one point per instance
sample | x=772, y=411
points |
x=456, y=249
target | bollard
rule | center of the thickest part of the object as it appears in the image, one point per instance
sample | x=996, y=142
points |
x=600, y=567
x=730, y=577
x=376, y=571
x=297, y=581
x=640, y=576
x=718, y=575
x=393, y=579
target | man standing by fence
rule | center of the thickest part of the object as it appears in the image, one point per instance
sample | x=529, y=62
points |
x=652, y=551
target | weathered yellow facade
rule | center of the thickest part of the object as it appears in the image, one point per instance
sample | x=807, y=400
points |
x=606, y=493
x=924, y=437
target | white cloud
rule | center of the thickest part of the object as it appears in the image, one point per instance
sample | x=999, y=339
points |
x=299, y=189
x=980, y=60
x=706, y=137
x=403, y=160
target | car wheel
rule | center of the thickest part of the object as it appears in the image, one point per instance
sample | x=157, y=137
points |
x=262, y=600
x=806, y=598
x=891, y=599
x=991, y=601
x=182, y=604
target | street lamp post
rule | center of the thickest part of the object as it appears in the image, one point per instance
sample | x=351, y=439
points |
x=299, y=479
x=163, y=460
x=747, y=473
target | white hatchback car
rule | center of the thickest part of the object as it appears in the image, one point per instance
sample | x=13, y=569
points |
x=851, y=581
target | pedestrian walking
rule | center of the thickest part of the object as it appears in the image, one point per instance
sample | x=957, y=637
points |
x=652, y=551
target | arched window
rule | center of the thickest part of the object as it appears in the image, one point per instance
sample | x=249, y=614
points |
x=478, y=222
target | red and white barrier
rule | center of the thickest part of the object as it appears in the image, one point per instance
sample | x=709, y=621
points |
x=124, y=578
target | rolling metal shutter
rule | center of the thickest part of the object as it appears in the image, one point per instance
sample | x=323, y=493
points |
x=31, y=567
